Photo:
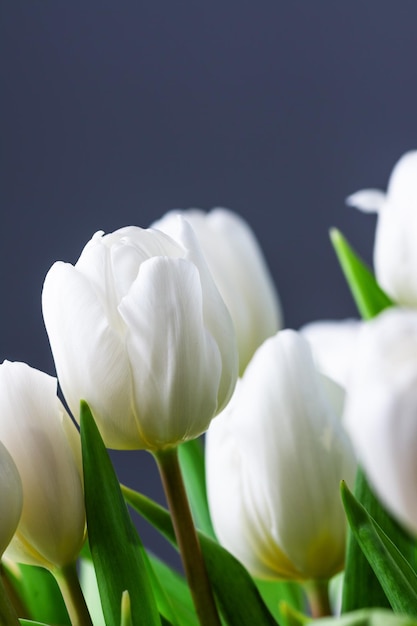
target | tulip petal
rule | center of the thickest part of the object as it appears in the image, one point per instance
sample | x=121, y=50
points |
x=367, y=200
x=176, y=364
x=89, y=354
x=11, y=497
x=53, y=518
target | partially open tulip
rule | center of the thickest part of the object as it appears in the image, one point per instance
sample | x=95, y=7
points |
x=240, y=272
x=139, y=330
x=381, y=410
x=11, y=498
x=45, y=447
x=275, y=458
x=395, y=252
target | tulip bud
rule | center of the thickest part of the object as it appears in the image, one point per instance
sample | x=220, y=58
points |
x=11, y=498
x=139, y=330
x=275, y=458
x=333, y=344
x=381, y=410
x=240, y=272
x=395, y=252
x=45, y=446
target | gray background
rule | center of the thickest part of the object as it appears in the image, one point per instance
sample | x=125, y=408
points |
x=114, y=112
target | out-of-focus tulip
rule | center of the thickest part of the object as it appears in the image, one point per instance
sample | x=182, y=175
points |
x=139, y=330
x=395, y=252
x=240, y=272
x=333, y=345
x=275, y=458
x=381, y=409
x=45, y=446
x=11, y=498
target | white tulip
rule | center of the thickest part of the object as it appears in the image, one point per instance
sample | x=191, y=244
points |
x=139, y=330
x=11, y=498
x=45, y=446
x=333, y=343
x=381, y=409
x=240, y=272
x=275, y=458
x=395, y=252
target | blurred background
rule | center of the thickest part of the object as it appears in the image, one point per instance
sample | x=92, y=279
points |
x=113, y=113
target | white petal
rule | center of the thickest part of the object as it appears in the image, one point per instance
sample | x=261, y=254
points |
x=53, y=518
x=89, y=354
x=367, y=200
x=334, y=346
x=216, y=315
x=176, y=365
x=395, y=253
x=381, y=409
x=11, y=497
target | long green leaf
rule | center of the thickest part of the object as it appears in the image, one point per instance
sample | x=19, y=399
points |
x=368, y=295
x=396, y=576
x=39, y=593
x=177, y=590
x=191, y=456
x=116, y=549
x=239, y=599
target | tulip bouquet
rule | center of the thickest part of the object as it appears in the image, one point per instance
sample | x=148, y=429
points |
x=301, y=505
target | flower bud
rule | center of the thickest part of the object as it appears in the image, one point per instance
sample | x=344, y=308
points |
x=381, y=410
x=240, y=272
x=11, y=498
x=275, y=458
x=139, y=330
x=395, y=251
x=45, y=446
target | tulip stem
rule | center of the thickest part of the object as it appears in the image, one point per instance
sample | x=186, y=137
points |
x=69, y=585
x=318, y=598
x=188, y=543
x=8, y=615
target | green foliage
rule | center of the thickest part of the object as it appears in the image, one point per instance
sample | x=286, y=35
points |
x=368, y=295
x=239, y=599
x=38, y=594
x=191, y=457
x=396, y=576
x=116, y=549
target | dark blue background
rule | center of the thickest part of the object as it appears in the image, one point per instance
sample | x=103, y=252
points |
x=114, y=112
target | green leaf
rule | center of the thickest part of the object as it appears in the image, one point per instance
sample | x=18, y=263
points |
x=239, y=599
x=367, y=617
x=177, y=590
x=396, y=576
x=116, y=549
x=368, y=295
x=279, y=593
x=39, y=593
x=191, y=457
x=28, y=622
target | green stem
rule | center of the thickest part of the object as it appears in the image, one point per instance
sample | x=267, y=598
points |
x=8, y=616
x=318, y=598
x=69, y=585
x=188, y=544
